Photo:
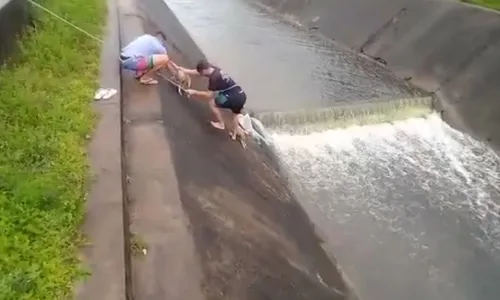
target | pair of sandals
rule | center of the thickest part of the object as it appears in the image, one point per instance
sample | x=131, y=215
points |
x=104, y=94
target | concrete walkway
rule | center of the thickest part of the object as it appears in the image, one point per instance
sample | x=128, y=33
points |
x=104, y=255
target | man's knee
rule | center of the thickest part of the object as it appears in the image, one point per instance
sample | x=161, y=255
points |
x=160, y=60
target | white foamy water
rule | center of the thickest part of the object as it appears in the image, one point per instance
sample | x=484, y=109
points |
x=415, y=197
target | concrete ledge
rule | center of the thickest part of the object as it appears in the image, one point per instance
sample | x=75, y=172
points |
x=104, y=222
x=14, y=16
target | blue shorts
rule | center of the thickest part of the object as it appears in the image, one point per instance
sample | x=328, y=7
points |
x=137, y=63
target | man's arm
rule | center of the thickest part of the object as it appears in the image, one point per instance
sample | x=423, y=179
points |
x=207, y=95
x=189, y=71
x=172, y=67
x=172, y=64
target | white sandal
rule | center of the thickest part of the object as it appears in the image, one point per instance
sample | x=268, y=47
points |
x=109, y=93
x=148, y=81
x=99, y=94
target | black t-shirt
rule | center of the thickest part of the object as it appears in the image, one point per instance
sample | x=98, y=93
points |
x=220, y=81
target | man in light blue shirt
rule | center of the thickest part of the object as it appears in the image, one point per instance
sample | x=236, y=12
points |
x=146, y=55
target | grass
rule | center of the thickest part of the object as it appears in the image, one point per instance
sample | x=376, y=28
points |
x=138, y=246
x=493, y=4
x=45, y=117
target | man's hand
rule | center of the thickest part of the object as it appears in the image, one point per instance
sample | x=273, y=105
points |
x=190, y=92
x=203, y=95
x=191, y=72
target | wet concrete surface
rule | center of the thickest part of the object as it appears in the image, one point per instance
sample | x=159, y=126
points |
x=252, y=240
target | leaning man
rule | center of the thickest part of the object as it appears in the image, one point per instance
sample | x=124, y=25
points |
x=145, y=55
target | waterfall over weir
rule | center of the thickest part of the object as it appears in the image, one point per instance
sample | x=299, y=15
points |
x=414, y=201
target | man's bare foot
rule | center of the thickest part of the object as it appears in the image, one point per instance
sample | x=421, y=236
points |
x=218, y=125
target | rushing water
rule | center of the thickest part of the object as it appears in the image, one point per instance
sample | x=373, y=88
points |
x=279, y=66
x=410, y=210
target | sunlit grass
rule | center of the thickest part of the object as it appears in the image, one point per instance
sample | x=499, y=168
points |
x=494, y=4
x=45, y=116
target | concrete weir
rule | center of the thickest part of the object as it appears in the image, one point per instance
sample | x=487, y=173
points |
x=207, y=219
x=448, y=48
x=341, y=116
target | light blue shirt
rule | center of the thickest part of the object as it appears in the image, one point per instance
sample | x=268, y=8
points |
x=145, y=45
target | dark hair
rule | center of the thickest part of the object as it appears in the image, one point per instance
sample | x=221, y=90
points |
x=161, y=34
x=202, y=65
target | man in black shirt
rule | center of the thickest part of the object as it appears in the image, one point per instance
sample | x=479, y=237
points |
x=223, y=92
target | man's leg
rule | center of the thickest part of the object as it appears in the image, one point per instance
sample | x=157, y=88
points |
x=153, y=63
x=219, y=123
x=172, y=67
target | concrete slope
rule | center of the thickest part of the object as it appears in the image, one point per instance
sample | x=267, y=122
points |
x=218, y=222
x=445, y=47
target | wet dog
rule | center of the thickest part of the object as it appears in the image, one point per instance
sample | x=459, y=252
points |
x=183, y=80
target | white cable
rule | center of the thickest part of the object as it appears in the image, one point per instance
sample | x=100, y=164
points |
x=65, y=21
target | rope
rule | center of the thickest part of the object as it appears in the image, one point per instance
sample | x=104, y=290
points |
x=94, y=38
x=65, y=21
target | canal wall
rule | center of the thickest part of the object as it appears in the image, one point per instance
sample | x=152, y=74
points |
x=446, y=47
x=14, y=15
